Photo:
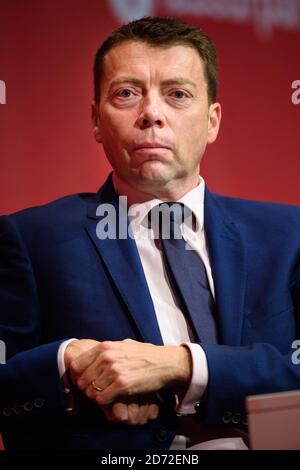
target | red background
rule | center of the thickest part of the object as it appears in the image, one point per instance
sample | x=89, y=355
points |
x=46, y=144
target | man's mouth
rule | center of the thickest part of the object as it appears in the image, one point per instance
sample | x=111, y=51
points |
x=150, y=145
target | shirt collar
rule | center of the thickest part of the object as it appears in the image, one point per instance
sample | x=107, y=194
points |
x=141, y=203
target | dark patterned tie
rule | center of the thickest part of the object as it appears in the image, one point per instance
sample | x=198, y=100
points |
x=186, y=270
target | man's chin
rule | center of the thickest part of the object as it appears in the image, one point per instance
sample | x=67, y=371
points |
x=155, y=181
x=155, y=173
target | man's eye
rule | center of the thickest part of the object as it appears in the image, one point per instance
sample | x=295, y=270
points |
x=125, y=93
x=179, y=94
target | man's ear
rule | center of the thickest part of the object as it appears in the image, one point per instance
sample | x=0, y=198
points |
x=96, y=122
x=214, y=120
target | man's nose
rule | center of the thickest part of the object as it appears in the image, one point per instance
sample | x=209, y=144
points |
x=151, y=113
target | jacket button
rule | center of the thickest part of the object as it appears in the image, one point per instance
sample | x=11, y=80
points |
x=197, y=407
x=226, y=418
x=39, y=402
x=6, y=412
x=17, y=409
x=236, y=419
x=161, y=435
x=28, y=406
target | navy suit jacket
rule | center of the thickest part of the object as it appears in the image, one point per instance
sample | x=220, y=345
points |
x=58, y=280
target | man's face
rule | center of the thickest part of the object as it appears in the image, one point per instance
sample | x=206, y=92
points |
x=153, y=118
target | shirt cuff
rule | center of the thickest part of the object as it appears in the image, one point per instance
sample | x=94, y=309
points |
x=61, y=356
x=198, y=381
x=70, y=394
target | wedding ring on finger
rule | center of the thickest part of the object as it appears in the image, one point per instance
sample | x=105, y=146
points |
x=95, y=387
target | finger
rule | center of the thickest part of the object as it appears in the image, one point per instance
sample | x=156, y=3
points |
x=148, y=408
x=153, y=411
x=117, y=384
x=102, y=370
x=90, y=379
x=108, y=414
x=141, y=409
x=120, y=411
x=143, y=413
x=133, y=413
x=112, y=414
x=138, y=412
x=111, y=392
x=98, y=372
x=84, y=360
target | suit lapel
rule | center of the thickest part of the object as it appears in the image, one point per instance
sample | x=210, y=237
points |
x=122, y=261
x=227, y=253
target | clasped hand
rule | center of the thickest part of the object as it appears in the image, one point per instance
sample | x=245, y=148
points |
x=128, y=373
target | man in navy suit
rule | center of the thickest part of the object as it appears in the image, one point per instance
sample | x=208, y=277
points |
x=101, y=353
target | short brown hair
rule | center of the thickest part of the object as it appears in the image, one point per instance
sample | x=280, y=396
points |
x=159, y=31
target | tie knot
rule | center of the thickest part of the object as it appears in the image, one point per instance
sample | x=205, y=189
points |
x=168, y=216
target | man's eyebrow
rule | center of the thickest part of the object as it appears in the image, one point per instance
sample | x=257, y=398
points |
x=139, y=82
x=179, y=81
x=126, y=79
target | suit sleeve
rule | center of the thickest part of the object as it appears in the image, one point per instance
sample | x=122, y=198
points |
x=236, y=372
x=29, y=378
